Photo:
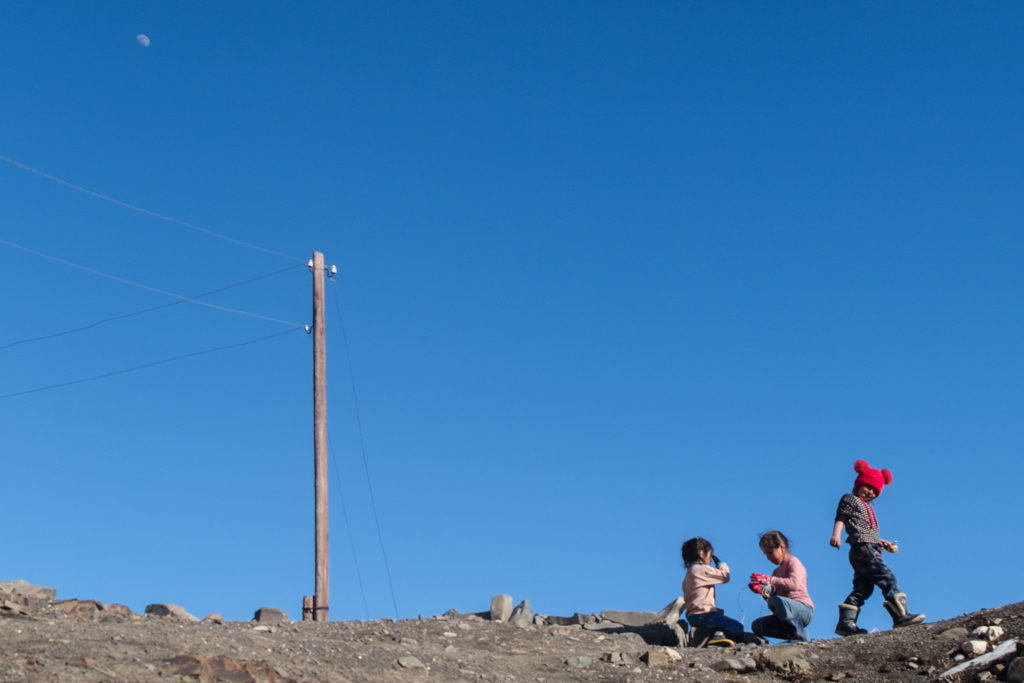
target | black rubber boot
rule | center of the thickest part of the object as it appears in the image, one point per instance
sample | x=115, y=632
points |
x=897, y=609
x=847, y=625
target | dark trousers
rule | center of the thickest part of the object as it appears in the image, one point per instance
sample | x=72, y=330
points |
x=870, y=570
x=716, y=621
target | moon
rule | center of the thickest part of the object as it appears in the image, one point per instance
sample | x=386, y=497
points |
x=143, y=39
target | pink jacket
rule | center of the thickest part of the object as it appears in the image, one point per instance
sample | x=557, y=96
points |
x=789, y=580
x=699, y=587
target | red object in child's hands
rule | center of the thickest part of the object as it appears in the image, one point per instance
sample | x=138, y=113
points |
x=760, y=578
x=756, y=587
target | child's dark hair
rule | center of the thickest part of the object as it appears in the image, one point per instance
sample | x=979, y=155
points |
x=694, y=548
x=770, y=540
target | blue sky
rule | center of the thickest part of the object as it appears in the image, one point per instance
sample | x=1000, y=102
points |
x=611, y=277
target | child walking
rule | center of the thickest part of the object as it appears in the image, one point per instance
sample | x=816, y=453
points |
x=857, y=516
x=785, y=591
x=703, y=572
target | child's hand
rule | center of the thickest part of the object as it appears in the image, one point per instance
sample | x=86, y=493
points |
x=760, y=578
x=756, y=587
x=835, y=541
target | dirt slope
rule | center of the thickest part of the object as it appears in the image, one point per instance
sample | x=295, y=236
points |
x=48, y=642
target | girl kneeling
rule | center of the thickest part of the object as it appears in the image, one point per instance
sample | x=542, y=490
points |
x=785, y=591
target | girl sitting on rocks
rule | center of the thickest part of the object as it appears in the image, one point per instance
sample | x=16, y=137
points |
x=703, y=572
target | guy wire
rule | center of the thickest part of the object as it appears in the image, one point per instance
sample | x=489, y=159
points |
x=362, y=446
x=348, y=527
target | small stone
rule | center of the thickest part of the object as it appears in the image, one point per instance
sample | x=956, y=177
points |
x=973, y=648
x=213, y=618
x=410, y=662
x=989, y=633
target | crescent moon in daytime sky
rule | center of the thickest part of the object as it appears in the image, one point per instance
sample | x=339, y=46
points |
x=143, y=39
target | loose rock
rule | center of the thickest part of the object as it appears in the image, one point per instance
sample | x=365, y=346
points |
x=410, y=662
x=164, y=609
x=501, y=608
x=522, y=615
x=270, y=615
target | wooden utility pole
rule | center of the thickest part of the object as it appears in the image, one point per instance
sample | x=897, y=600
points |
x=322, y=589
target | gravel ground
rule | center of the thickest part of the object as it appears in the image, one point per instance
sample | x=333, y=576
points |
x=49, y=645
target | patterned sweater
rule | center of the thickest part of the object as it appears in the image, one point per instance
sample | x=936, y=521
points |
x=859, y=519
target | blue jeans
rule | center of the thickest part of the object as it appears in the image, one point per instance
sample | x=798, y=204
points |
x=717, y=621
x=870, y=570
x=788, y=619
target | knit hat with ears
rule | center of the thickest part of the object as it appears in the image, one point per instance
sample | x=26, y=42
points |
x=876, y=479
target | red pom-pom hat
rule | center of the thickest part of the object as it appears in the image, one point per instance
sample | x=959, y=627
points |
x=876, y=479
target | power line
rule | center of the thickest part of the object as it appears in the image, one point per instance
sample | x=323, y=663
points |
x=169, y=219
x=122, y=280
x=145, y=365
x=362, y=448
x=123, y=316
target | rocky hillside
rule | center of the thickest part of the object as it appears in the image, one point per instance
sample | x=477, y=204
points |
x=45, y=639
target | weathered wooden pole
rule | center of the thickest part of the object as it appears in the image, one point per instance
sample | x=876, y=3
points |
x=322, y=589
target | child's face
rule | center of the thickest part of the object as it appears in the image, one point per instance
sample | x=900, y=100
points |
x=775, y=555
x=865, y=492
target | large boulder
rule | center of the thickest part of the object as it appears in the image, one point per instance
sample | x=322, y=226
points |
x=501, y=608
